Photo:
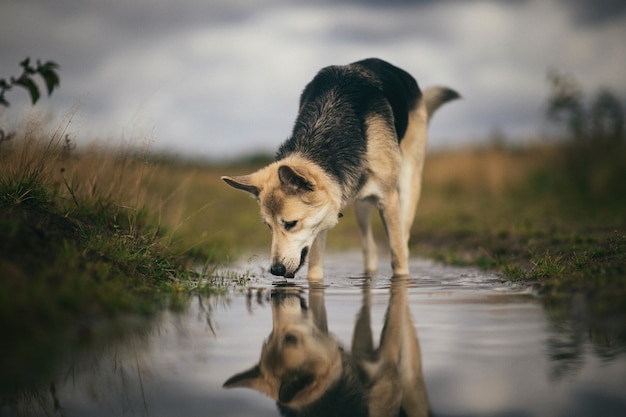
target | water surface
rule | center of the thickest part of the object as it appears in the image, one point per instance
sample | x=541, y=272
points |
x=488, y=348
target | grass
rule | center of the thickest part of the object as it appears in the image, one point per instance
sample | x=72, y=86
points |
x=84, y=236
x=539, y=215
x=518, y=211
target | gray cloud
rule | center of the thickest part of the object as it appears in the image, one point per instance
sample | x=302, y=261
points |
x=595, y=12
x=222, y=77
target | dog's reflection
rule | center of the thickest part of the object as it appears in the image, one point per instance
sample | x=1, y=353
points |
x=308, y=373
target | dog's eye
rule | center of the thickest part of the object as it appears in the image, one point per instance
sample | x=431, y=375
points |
x=290, y=225
x=291, y=339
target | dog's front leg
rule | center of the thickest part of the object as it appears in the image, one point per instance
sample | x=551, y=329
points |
x=390, y=215
x=316, y=258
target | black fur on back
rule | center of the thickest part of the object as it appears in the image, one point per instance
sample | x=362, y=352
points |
x=334, y=106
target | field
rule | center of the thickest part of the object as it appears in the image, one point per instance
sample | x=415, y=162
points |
x=535, y=214
x=516, y=210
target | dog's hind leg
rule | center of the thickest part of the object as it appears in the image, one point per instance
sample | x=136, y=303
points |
x=362, y=338
x=390, y=215
x=316, y=258
x=363, y=212
x=413, y=148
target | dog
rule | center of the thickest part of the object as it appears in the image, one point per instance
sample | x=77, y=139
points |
x=360, y=137
x=308, y=373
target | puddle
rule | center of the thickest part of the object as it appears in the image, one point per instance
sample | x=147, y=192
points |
x=480, y=347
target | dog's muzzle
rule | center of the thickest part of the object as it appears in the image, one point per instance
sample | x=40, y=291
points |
x=279, y=269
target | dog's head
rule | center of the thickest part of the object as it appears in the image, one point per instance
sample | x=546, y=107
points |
x=299, y=361
x=297, y=202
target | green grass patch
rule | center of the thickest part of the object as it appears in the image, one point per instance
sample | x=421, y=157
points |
x=81, y=241
x=549, y=217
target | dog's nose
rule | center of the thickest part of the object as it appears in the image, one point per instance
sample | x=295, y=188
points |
x=278, y=269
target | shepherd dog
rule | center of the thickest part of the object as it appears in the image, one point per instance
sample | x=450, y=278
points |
x=307, y=371
x=359, y=138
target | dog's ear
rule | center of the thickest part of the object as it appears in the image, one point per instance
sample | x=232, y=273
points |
x=295, y=180
x=243, y=183
x=250, y=378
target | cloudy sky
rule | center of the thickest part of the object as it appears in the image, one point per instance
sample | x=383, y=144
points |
x=217, y=78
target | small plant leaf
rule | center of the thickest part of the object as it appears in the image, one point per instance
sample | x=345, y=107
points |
x=49, y=65
x=49, y=75
x=25, y=64
x=27, y=82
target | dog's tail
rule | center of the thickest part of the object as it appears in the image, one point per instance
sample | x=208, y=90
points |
x=435, y=97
